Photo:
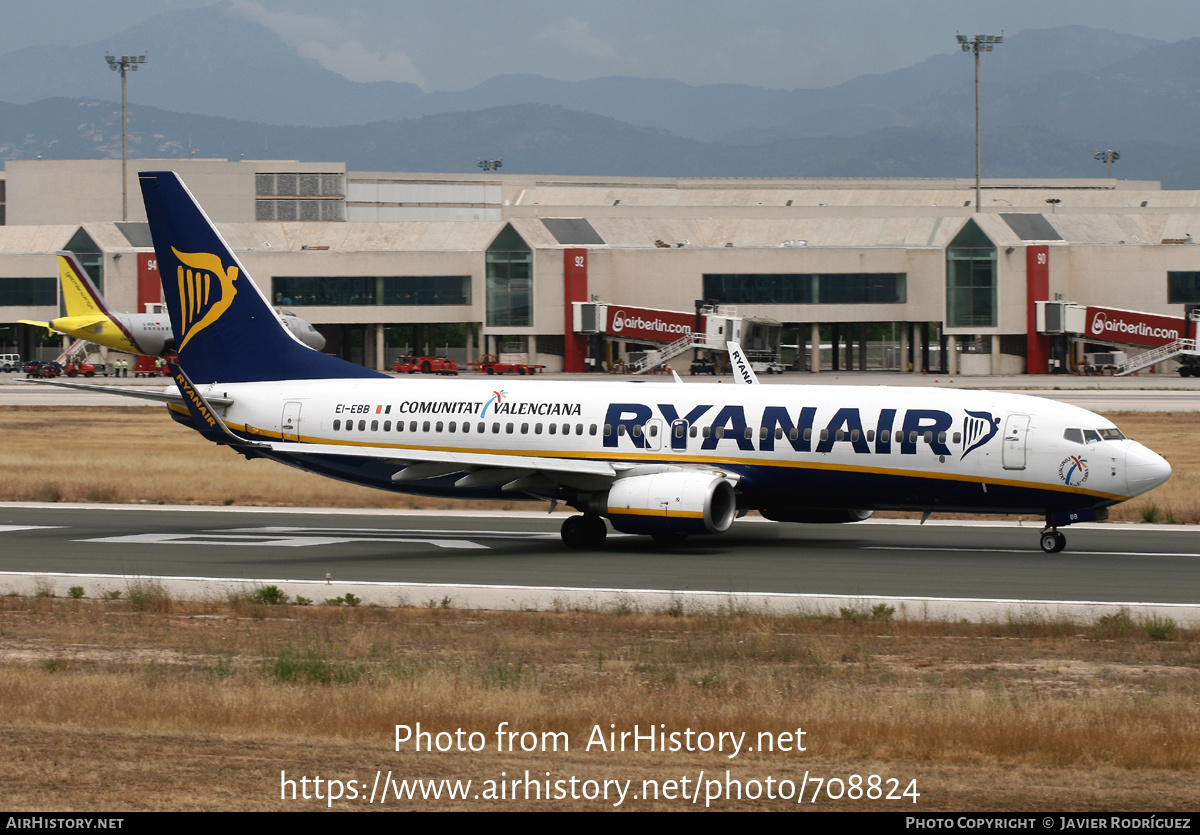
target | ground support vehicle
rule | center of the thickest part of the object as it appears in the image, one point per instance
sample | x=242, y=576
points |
x=426, y=365
x=491, y=364
x=42, y=368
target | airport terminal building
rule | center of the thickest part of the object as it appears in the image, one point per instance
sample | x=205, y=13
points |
x=906, y=275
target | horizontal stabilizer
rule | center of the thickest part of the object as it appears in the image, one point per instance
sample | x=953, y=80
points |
x=49, y=330
x=136, y=392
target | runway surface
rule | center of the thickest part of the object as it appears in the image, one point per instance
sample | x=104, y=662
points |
x=417, y=555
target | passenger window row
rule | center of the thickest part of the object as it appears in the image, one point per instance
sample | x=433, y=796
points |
x=793, y=434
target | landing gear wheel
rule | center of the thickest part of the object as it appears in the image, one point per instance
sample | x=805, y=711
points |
x=1053, y=541
x=582, y=532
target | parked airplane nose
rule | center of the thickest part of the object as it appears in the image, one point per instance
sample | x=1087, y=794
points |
x=1144, y=469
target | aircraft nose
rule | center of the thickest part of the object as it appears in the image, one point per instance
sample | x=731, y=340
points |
x=1144, y=469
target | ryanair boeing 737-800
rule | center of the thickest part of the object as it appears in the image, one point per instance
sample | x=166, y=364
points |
x=663, y=459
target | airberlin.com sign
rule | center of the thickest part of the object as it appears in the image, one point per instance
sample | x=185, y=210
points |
x=1106, y=324
x=641, y=323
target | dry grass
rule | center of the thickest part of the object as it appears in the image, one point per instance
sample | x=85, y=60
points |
x=139, y=455
x=203, y=706
x=122, y=454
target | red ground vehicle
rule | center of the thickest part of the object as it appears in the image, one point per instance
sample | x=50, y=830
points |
x=42, y=368
x=490, y=364
x=426, y=365
x=74, y=369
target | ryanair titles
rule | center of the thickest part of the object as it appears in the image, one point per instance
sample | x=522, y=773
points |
x=780, y=426
x=197, y=402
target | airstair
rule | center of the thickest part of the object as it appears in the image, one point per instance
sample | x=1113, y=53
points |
x=81, y=351
x=653, y=359
x=1180, y=347
x=76, y=352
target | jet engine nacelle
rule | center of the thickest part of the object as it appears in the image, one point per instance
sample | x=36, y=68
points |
x=672, y=502
x=815, y=515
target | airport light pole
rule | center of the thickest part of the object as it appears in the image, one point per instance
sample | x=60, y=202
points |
x=978, y=44
x=125, y=63
x=1108, y=156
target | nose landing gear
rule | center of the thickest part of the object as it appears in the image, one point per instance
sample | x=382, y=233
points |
x=1053, y=540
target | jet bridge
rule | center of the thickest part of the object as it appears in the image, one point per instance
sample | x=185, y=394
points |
x=678, y=331
x=1161, y=337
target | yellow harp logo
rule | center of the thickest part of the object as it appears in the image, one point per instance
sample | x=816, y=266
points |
x=201, y=299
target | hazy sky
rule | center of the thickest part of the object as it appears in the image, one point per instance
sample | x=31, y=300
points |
x=454, y=44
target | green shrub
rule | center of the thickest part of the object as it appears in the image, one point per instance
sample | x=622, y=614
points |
x=270, y=596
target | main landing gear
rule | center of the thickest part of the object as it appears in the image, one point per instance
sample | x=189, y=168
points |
x=584, y=532
x=1053, y=540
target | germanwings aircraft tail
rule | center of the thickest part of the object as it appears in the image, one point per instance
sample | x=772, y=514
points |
x=225, y=330
x=667, y=460
x=87, y=316
x=80, y=296
x=84, y=305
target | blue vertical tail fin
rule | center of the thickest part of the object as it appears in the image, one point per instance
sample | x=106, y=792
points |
x=225, y=329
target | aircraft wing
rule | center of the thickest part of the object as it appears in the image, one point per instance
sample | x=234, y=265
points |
x=514, y=472
x=478, y=468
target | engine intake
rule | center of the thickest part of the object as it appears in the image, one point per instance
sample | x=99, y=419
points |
x=672, y=502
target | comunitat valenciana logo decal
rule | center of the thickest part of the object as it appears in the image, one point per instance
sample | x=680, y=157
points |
x=205, y=291
x=1073, y=470
x=497, y=398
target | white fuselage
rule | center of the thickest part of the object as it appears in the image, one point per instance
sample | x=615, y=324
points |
x=816, y=446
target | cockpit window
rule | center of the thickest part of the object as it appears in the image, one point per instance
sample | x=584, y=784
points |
x=1092, y=436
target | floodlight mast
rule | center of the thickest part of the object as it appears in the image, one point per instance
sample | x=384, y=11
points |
x=126, y=63
x=1109, y=157
x=978, y=44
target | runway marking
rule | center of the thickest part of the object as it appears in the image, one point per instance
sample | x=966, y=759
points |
x=289, y=536
x=279, y=541
x=365, y=533
x=1029, y=551
x=7, y=528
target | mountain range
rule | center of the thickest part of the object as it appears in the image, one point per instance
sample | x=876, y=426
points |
x=216, y=84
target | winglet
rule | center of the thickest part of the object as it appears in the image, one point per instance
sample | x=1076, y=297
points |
x=742, y=372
